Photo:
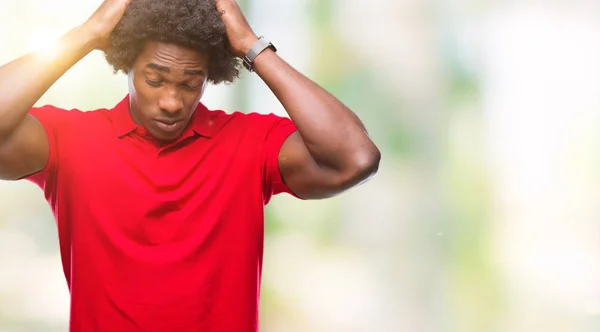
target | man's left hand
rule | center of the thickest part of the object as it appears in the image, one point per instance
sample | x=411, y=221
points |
x=240, y=34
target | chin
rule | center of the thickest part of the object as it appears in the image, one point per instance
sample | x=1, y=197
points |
x=163, y=137
x=167, y=138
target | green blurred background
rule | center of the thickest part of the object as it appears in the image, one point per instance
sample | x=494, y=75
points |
x=484, y=214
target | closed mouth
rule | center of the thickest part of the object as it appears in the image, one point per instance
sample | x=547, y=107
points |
x=168, y=123
x=168, y=126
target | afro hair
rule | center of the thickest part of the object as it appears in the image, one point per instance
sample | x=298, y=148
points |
x=196, y=24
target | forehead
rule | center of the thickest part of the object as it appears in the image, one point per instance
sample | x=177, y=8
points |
x=172, y=56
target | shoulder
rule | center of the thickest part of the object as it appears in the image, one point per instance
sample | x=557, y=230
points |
x=51, y=111
x=57, y=118
x=224, y=122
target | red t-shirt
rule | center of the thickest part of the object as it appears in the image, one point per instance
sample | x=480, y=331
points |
x=161, y=238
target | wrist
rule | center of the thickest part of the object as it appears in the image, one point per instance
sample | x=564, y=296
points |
x=90, y=38
x=246, y=45
x=261, y=45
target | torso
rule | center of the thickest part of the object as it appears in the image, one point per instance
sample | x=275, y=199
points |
x=161, y=238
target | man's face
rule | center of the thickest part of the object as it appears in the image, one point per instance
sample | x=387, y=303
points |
x=166, y=84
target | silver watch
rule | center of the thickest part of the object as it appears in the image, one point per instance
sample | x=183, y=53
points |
x=259, y=46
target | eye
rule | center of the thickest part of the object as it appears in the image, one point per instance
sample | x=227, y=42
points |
x=192, y=87
x=154, y=83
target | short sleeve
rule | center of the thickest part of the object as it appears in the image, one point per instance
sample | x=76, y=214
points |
x=53, y=121
x=278, y=129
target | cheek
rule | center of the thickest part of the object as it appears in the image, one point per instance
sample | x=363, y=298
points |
x=142, y=93
x=141, y=100
x=195, y=100
x=192, y=102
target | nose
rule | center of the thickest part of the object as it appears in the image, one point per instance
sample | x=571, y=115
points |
x=171, y=103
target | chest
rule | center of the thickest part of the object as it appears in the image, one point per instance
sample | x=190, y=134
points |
x=135, y=165
x=157, y=194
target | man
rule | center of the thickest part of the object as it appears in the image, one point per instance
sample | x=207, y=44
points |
x=159, y=201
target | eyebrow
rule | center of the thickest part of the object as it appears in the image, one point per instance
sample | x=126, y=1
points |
x=168, y=70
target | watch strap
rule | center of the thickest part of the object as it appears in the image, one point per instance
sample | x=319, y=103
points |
x=259, y=46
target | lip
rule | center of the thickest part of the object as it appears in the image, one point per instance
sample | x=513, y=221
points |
x=168, y=126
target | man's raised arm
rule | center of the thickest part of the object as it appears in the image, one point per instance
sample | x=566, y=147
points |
x=24, y=145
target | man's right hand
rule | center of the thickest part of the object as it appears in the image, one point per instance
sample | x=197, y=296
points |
x=101, y=24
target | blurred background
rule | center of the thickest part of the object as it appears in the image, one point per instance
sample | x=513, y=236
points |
x=484, y=215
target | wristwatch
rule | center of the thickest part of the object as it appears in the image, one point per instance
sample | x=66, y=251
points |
x=259, y=46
